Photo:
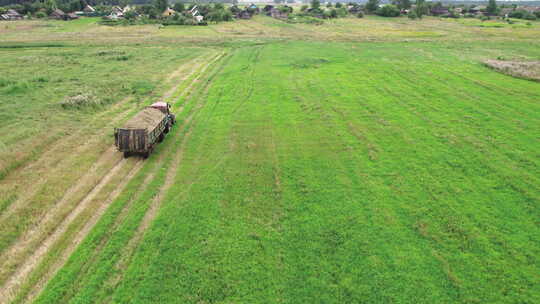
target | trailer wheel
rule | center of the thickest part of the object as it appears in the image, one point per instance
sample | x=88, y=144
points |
x=161, y=137
x=167, y=128
x=126, y=154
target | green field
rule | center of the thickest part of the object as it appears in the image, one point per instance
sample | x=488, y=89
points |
x=364, y=160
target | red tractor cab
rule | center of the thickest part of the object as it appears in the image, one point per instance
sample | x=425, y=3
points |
x=165, y=108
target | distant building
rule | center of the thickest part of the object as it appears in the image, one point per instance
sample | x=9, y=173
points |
x=438, y=11
x=57, y=14
x=278, y=14
x=168, y=12
x=89, y=9
x=11, y=15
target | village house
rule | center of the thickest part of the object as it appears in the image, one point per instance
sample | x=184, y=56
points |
x=196, y=15
x=439, y=11
x=57, y=14
x=71, y=16
x=11, y=15
x=278, y=14
x=245, y=14
x=88, y=9
x=168, y=12
x=266, y=10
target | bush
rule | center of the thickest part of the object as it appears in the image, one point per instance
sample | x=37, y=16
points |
x=179, y=7
x=412, y=15
x=523, y=14
x=529, y=16
x=80, y=100
x=304, y=8
x=360, y=14
x=41, y=15
x=341, y=12
x=388, y=11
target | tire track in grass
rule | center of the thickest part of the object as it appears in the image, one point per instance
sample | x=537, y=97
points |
x=25, y=271
x=152, y=212
x=81, y=234
x=56, y=147
x=43, y=181
x=52, y=143
x=12, y=256
x=10, y=287
x=127, y=208
x=48, y=159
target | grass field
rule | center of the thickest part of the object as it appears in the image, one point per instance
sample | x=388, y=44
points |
x=360, y=161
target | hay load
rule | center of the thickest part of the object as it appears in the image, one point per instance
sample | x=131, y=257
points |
x=144, y=130
x=147, y=119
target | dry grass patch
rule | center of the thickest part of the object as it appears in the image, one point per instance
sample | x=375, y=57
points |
x=521, y=69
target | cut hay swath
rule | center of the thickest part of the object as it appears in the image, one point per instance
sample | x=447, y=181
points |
x=520, y=69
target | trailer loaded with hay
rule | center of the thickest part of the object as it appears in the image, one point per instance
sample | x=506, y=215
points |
x=141, y=133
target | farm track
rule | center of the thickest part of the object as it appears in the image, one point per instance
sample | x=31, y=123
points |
x=49, y=146
x=156, y=203
x=9, y=289
x=53, y=158
x=38, y=228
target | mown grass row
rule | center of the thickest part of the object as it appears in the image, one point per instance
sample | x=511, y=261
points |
x=93, y=275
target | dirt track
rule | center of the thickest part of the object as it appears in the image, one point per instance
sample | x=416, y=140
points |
x=23, y=271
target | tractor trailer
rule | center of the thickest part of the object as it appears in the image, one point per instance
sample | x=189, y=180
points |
x=141, y=133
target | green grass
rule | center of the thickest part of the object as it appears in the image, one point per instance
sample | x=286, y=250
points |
x=371, y=160
x=315, y=174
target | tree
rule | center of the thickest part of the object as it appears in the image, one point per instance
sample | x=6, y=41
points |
x=161, y=5
x=179, y=7
x=50, y=6
x=402, y=4
x=372, y=5
x=421, y=8
x=388, y=11
x=339, y=5
x=492, y=7
x=315, y=4
x=75, y=5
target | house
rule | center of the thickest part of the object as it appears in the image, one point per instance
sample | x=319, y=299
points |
x=438, y=11
x=168, y=12
x=11, y=15
x=71, y=16
x=128, y=8
x=89, y=9
x=117, y=10
x=458, y=10
x=530, y=9
x=477, y=10
x=196, y=15
x=57, y=14
x=253, y=8
x=278, y=14
x=505, y=11
x=245, y=14
x=267, y=9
